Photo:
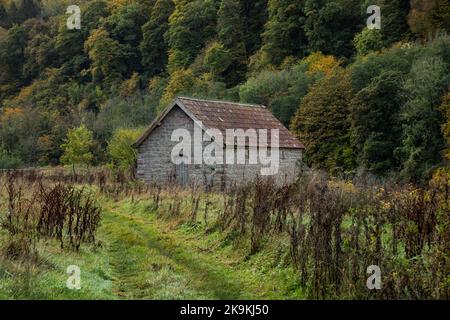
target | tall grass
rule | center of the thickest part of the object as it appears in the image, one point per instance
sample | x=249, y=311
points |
x=334, y=229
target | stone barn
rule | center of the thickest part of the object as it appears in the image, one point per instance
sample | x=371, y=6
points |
x=215, y=144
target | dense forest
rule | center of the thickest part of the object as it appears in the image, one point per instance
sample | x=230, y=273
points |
x=360, y=99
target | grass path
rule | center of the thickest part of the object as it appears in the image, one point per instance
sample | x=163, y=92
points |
x=143, y=256
x=151, y=262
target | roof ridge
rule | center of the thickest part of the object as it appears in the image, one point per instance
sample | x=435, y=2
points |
x=223, y=101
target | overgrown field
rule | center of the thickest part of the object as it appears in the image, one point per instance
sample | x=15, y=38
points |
x=313, y=239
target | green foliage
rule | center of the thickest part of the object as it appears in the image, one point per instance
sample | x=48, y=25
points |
x=365, y=68
x=69, y=44
x=331, y=25
x=191, y=25
x=4, y=18
x=445, y=110
x=40, y=52
x=120, y=150
x=77, y=147
x=125, y=27
x=117, y=112
x=422, y=140
x=394, y=25
x=376, y=126
x=255, y=15
x=16, y=12
x=268, y=52
x=428, y=17
x=281, y=91
x=283, y=35
x=217, y=59
x=153, y=46
x=12, y=54
x=322, y=124
x=368, y=40
x=230, y=28
x=9, y=161
x=108, y=57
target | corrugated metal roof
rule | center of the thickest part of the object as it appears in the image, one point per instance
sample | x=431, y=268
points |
x=223, y=115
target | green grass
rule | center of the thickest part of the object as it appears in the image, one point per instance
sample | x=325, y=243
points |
x=145, y=256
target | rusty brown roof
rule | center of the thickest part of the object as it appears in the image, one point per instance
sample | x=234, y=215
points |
x=223, y=115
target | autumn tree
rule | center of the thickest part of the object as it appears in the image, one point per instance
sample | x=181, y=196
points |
x=322, y=123
x=181, y=81
x=427, y=17
x=108, y=57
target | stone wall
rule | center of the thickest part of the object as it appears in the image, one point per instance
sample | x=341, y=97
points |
x=154, y=163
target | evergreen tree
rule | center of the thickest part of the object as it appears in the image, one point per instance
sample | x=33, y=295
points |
x=154, y=49
x=230, y=32
x=13, y=13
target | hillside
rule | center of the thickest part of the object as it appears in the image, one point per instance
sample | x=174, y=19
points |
x=359, y=99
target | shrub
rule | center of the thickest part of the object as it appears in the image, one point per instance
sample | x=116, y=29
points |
x=9, y=161
x=123, y=156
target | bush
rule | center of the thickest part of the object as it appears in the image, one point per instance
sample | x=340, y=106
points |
x=9, y=161
x=122, y=154
x=368, y=40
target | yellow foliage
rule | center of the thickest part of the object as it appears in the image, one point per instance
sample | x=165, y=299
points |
x=130, y=86
x=11, y=113
x=113, y=5
x=344, y=185
x=318, y=62
x=180, y=81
